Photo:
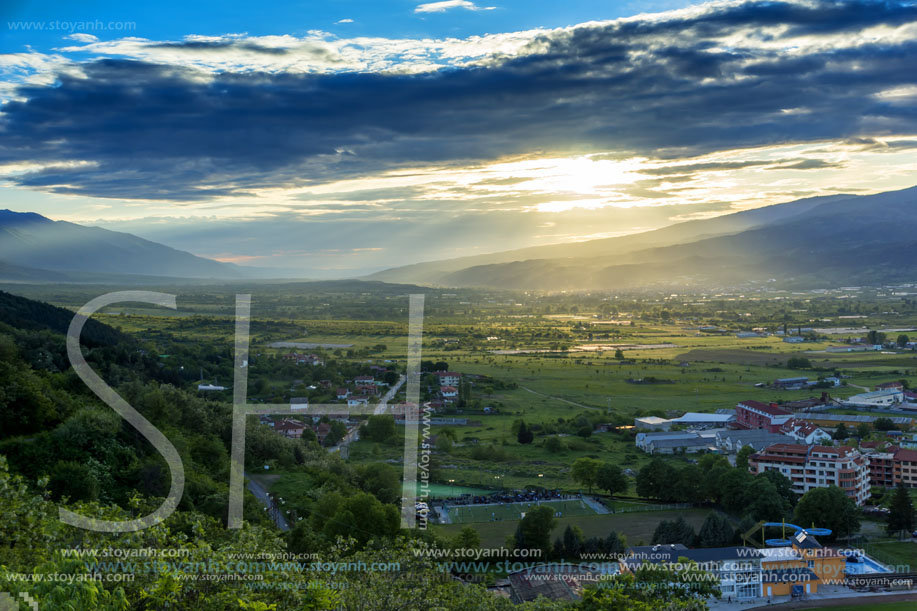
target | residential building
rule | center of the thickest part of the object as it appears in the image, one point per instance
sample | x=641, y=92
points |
x=357, y=400
x=804, y=432
x=833, y=420
x=448, y=392
x=881, y=468
x=890, y=386
x=342, y=393
x=906, y=468
x=290, y=428
x=299, y=403
x=814, y=466
x=757, y=415
x=448, y=378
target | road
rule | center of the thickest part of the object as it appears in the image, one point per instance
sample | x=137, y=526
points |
x=380, y=408
x=383, y=403
x=265, y=499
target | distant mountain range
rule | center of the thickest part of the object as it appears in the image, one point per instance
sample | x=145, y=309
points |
x=825, y=241
x=34, y=248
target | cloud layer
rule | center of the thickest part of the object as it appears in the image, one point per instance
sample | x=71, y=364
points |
x=158, y=120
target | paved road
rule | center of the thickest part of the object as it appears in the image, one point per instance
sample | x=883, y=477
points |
x=383, y=404
x=265, y=499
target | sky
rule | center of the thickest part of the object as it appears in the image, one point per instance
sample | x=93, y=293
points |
x=338, y=138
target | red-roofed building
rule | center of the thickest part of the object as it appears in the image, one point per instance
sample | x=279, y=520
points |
x=810, y=467
x=757, y=415
x=804, y=432
x=890, y=386
x=290, y=428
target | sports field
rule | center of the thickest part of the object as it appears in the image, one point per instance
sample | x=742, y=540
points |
x=465, y=514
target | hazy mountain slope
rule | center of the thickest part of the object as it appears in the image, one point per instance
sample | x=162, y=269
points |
x=32, y=241
x=851, y=240
x=433, y=272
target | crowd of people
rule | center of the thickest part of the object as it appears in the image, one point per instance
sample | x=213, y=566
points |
x=511, y=496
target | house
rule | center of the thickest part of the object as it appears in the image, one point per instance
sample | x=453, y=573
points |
x=833, y=381
x=804, y=432
x=304, y=359
x=890, y=386
x=448, y=378
x=290, y=428
x=813, y=466
x=757, y=415
x=299, y=403
x=321, y=431
x=877, y=398
x=794, y=339
x=342, y=393
x=448, y=392
x=910, y=397
x=367, y=380
x=357, y=400
x=368, y=389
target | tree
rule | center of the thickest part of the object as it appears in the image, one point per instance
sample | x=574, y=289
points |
x=534, y=530
x=610, y=477
x=524, y=435
x=716, y=531
x=742, y=457
x=903, y=340
x=676, y=531
x=467, y=538
x=875, y=338
x=390, y=377
x=841, y=432
x=380, y=480
x=863, y=430
x=901, y=517
x=378, y=428
x=798, y=362
x=553, y=444
x=619, y=355
x=585, y=470
x=884, y=424
x=656, y=480
x=828, y=508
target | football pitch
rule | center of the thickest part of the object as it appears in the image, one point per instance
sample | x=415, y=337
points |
x=464, y=514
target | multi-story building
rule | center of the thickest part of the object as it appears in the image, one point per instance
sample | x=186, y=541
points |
x=811, y=467
x=905, y=468
x=881, y=468
x=757, y=415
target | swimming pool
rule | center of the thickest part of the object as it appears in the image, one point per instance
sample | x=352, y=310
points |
x=866, y=566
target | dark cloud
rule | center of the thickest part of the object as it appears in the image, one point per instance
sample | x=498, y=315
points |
x=220, y=45
x=660, y=88
x=808, y=164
